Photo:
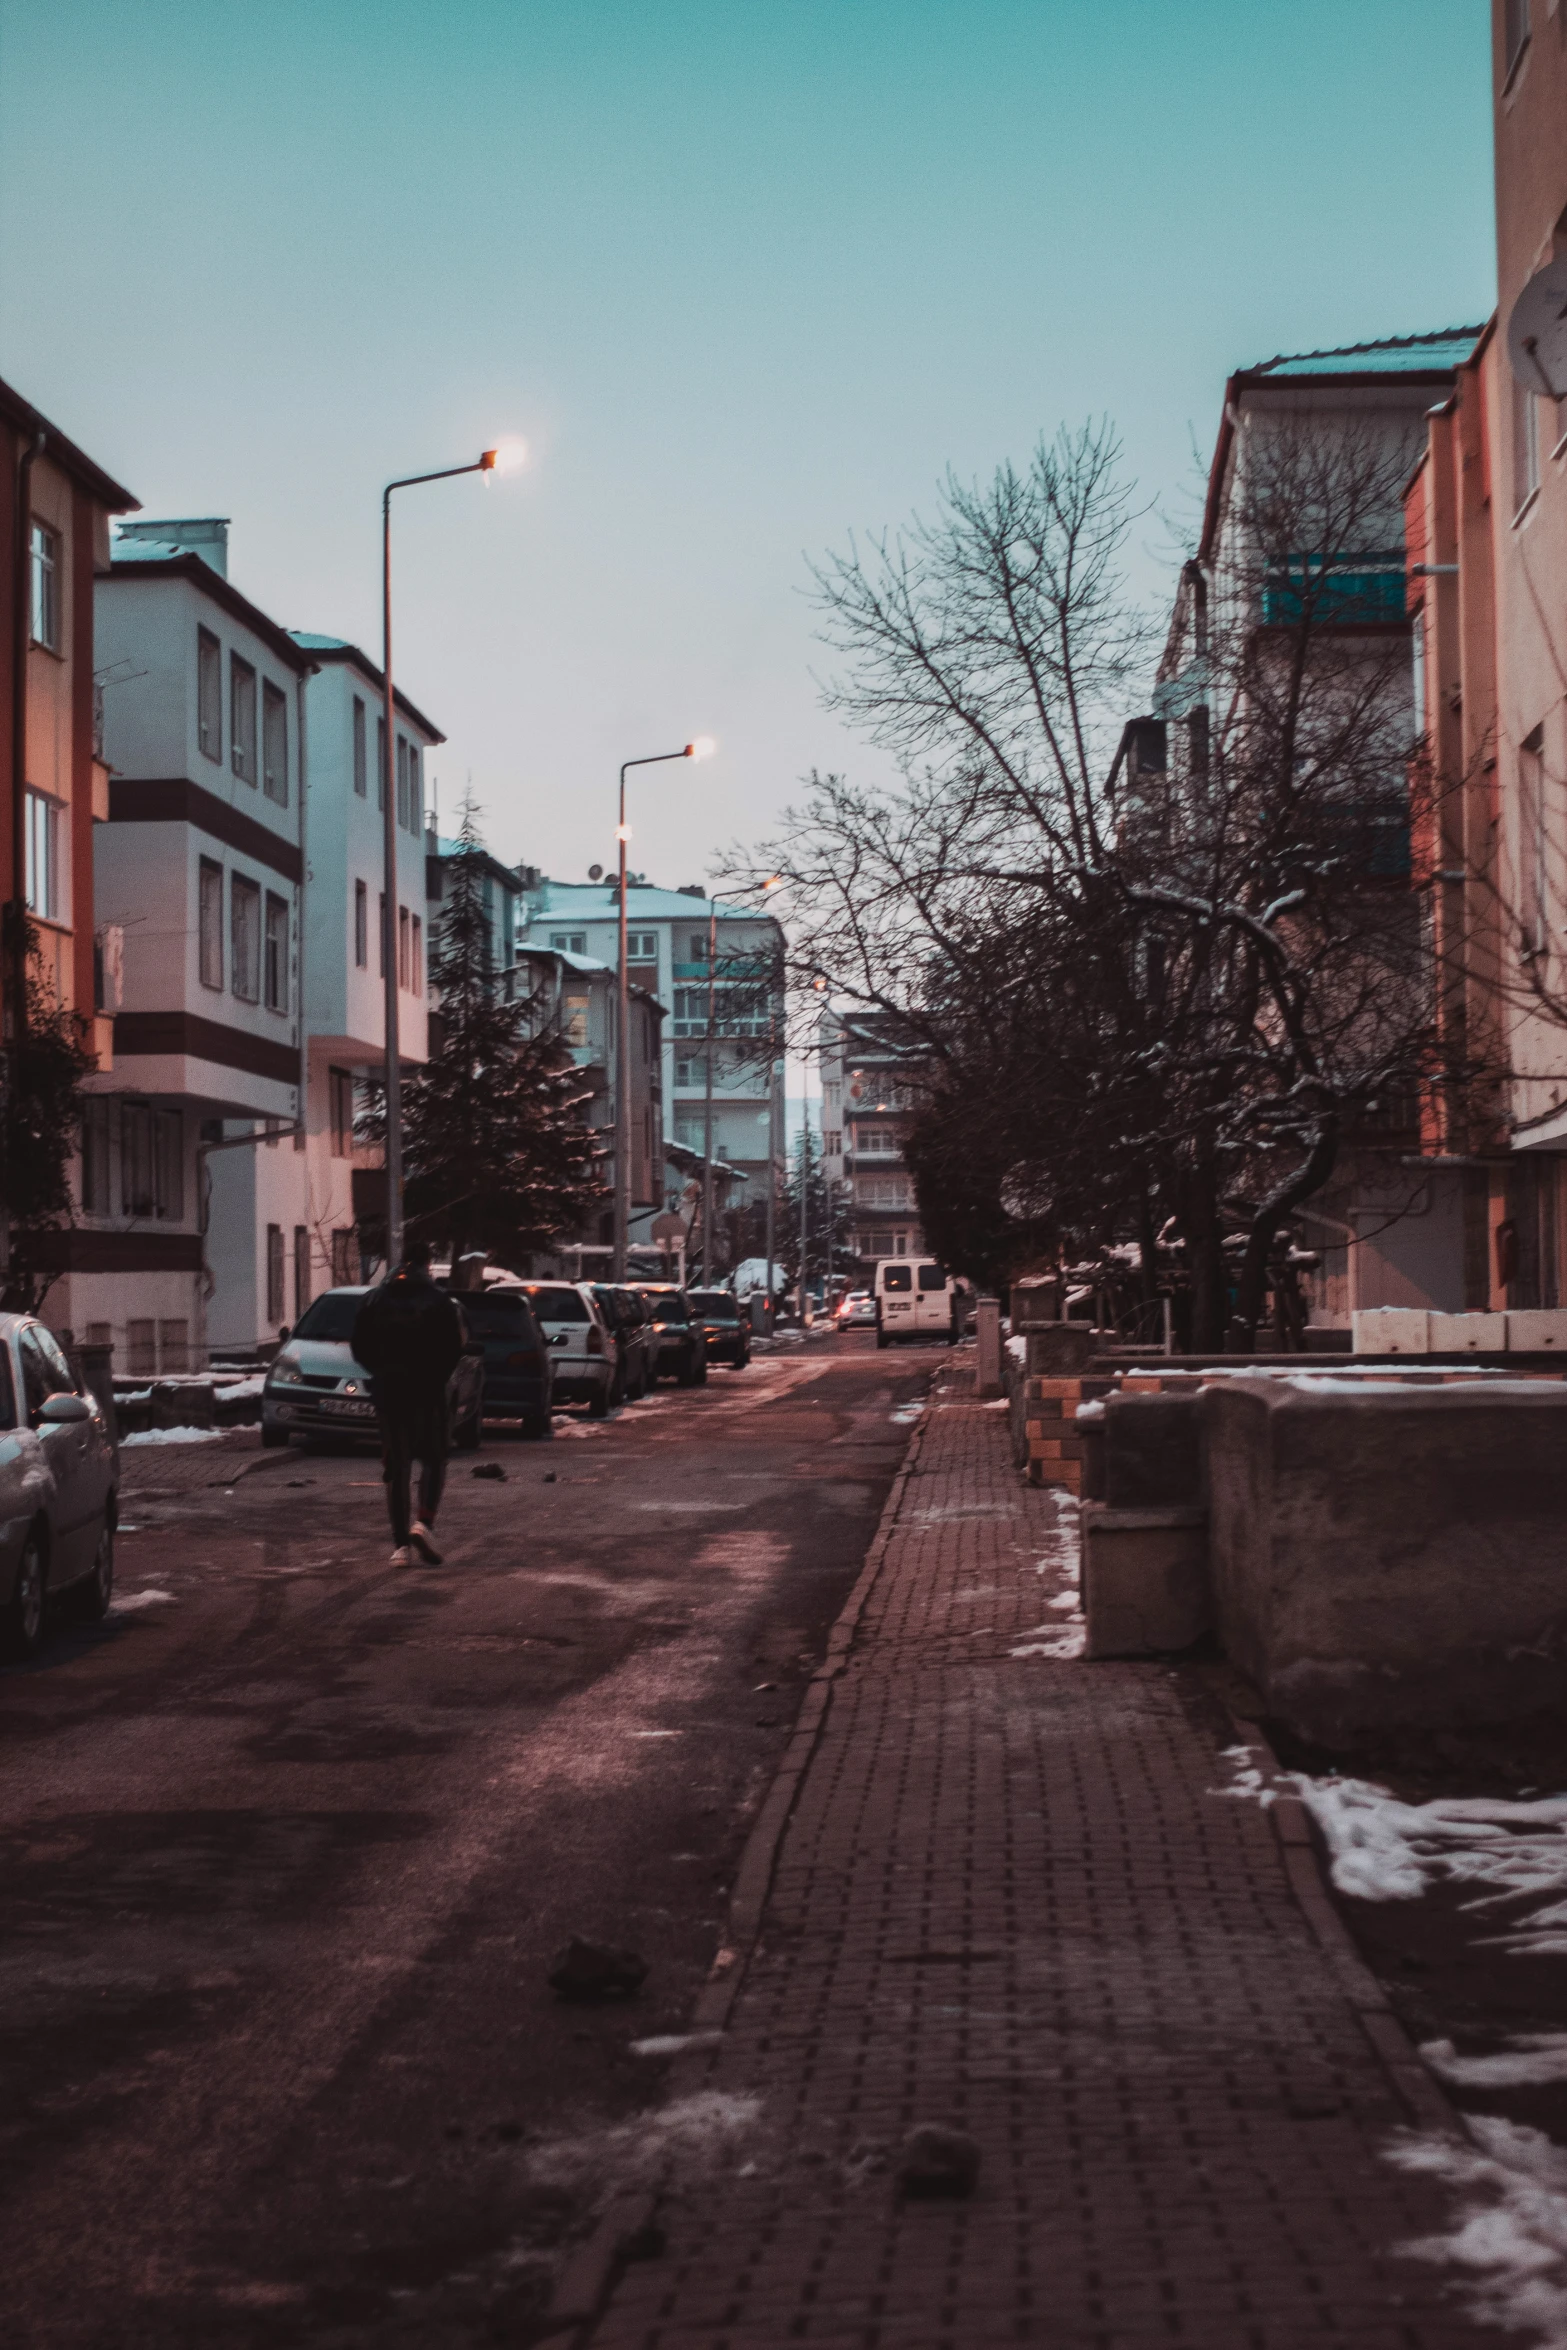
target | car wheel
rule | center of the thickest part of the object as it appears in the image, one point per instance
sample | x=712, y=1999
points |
x=94, y=1595
x=470, y=1430
x=537, y=1424
x=599, y=1402
x=882, y=1338
x=686, y=1375
x=272, y=1438
x=23, y=1621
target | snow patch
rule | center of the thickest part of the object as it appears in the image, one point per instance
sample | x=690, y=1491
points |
x=1509, y=2239
x=674, y=2043
x=1531, y=2060
x=132, y=1600
x=675, y=2146
x=1065, y=1640
x=174, y=1436
x=906, y=1415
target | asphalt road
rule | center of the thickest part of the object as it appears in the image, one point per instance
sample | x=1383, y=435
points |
x=288, y=1843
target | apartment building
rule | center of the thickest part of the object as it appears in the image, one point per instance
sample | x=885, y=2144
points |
x=1340, y=428
x=304, y=1213
x=668, y=934
x=55, y=505
x=870, y=1089
x=1486, y=541
x=197, y=881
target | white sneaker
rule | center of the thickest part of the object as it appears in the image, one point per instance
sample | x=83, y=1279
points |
x=402, y=1556
x=424, y=1543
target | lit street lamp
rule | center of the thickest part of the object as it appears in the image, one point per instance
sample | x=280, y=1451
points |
x=702, y=748
x=501, y=459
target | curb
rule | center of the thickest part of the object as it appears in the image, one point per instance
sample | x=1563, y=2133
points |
x=1419, y=2091
x=584, y=2285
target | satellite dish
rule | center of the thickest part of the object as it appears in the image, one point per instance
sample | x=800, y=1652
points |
x=1537, y=332
x=595, y=872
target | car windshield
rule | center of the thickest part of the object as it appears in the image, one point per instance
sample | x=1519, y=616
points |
x=933, y=1276
x=669, y=1307
x=330, y=1318
x=715, y=1305
x=502, y=1316
x=559, y=1305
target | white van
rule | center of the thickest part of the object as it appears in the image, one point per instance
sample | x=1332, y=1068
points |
x=915, y=1298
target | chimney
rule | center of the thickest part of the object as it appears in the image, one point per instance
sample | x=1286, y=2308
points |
x=206, y=536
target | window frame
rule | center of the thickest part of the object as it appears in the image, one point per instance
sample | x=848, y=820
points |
x=361, y=750
x=275, y=989
x=244, y=717
x=209, y=936
x=41, y=826
x=274, y=736
x=245, y=985
x=168, y=1166
x=97, y=1156
x=340, y=1112
x=361, y=926
x=274, y=1265
x=209, y=695
x=1526, y=448
x=43, y=585
x=138, y=1192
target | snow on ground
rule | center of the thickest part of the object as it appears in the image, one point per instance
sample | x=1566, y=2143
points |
x=1529, y=2061
x=1512, y=1855
x=1509, y=2238
x=128, y=1603
x=174, y=1436
x=240, y=1390
x=906, y=1415
x=675, y=2146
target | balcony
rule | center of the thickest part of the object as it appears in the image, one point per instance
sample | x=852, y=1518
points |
x=1335, y=591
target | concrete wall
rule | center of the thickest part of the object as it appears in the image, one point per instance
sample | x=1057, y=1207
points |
x=1391, y=1556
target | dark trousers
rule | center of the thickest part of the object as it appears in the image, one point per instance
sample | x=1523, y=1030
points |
x=413, y=1428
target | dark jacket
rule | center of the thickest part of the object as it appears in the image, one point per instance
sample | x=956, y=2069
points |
x=409, y=1336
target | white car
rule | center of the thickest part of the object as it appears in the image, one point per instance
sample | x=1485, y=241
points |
x=581, y=1344
x=315, y=1388
x=915, y=1298
x=857, y=1311
x=57, y=1486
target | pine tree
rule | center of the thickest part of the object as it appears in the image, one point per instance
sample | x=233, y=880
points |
x=827, y=1239
x=497, y=1153
x=40, y=1121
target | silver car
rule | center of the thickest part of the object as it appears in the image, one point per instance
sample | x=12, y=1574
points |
x=314, y=1388
x=57, y=1486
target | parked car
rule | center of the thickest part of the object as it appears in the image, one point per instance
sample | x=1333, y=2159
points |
x=582, y=1347
x=631, y=1327
x=681, y=1348
x=728, y=1338
x=915, y=1298
x=519, y=1371
x=857, y=1311
x=314, y=1387
x=57, y=1486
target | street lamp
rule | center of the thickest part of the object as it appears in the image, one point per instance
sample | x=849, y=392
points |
x=702, y=748
x=503, y=458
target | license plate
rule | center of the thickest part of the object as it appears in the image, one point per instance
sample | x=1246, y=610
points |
x=348, y=1407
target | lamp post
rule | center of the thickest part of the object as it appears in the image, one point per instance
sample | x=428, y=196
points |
x=700, y=749
x=707, y=1123
x=495, y=460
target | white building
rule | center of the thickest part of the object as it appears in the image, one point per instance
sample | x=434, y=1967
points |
x=197, y=876
x=285, y=1219
x=870, y=1090
x=667, y=955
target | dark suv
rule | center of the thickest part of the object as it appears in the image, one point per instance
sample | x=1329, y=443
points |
x=728, y=1338
x=636, y=1343
x=518, y=1373
x=681, y=1349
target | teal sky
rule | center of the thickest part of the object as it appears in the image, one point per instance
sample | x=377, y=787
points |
x=745, y=275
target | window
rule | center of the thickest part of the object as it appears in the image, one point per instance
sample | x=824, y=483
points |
x=403, y=979
x=569, y=942
x=642, y=946
x=168, y=1165
x=933, y=1276
x=380, y=763
x=898, y=1277
x=1526, y=446
x=136, y=1185
x=574, y=1021
x=1515, y=35
x=141, y=1348
x=343, y=1269
x=698, y=946
x=46, y=587
x=209, y=694
x=45, y=1371
x=245, y=939
x=42, y=820
x=209, y=887
x=381, y=934
x=361, y=925
x=274, y=1272
x=871, y=1141
x=361, y=752
x=415, y=794
x=340, y=1086
x=242, y=718
x=1531, y=844
x=274, y=744
x=416, y=958
x=173, y=1346
x=301, y=1269
x=276, y=968
x=95, y=1156
x=832, y=1142
x=402, y=781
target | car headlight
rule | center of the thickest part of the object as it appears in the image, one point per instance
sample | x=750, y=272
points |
x=286, y=1375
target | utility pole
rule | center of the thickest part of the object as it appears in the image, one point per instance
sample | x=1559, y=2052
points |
x=805, y=1191
x=772, y=1171
x=708, y=1252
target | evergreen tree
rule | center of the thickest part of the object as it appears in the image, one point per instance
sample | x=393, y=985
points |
x=828, y=1246
x=497, y=1153
x=40, y=1121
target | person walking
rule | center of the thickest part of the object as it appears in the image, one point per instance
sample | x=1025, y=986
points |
x=409, y=1336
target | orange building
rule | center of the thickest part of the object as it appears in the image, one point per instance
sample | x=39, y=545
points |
x=55, y=505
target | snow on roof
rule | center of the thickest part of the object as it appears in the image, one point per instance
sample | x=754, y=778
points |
x=1398, y=355
x=595, y=901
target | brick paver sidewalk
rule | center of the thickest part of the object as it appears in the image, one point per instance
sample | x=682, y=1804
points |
x=1010, y=1899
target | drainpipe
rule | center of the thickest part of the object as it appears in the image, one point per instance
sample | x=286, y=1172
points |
x=304, y=875
x=21, y=638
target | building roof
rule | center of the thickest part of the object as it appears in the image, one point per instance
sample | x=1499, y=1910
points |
x=146, y=558
x=336, y=648
x=66, y=454
x=598, y=901
x=1398, y=355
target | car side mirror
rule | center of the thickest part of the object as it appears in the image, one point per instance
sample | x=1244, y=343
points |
x=61, y=1411
x=284, y=1334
